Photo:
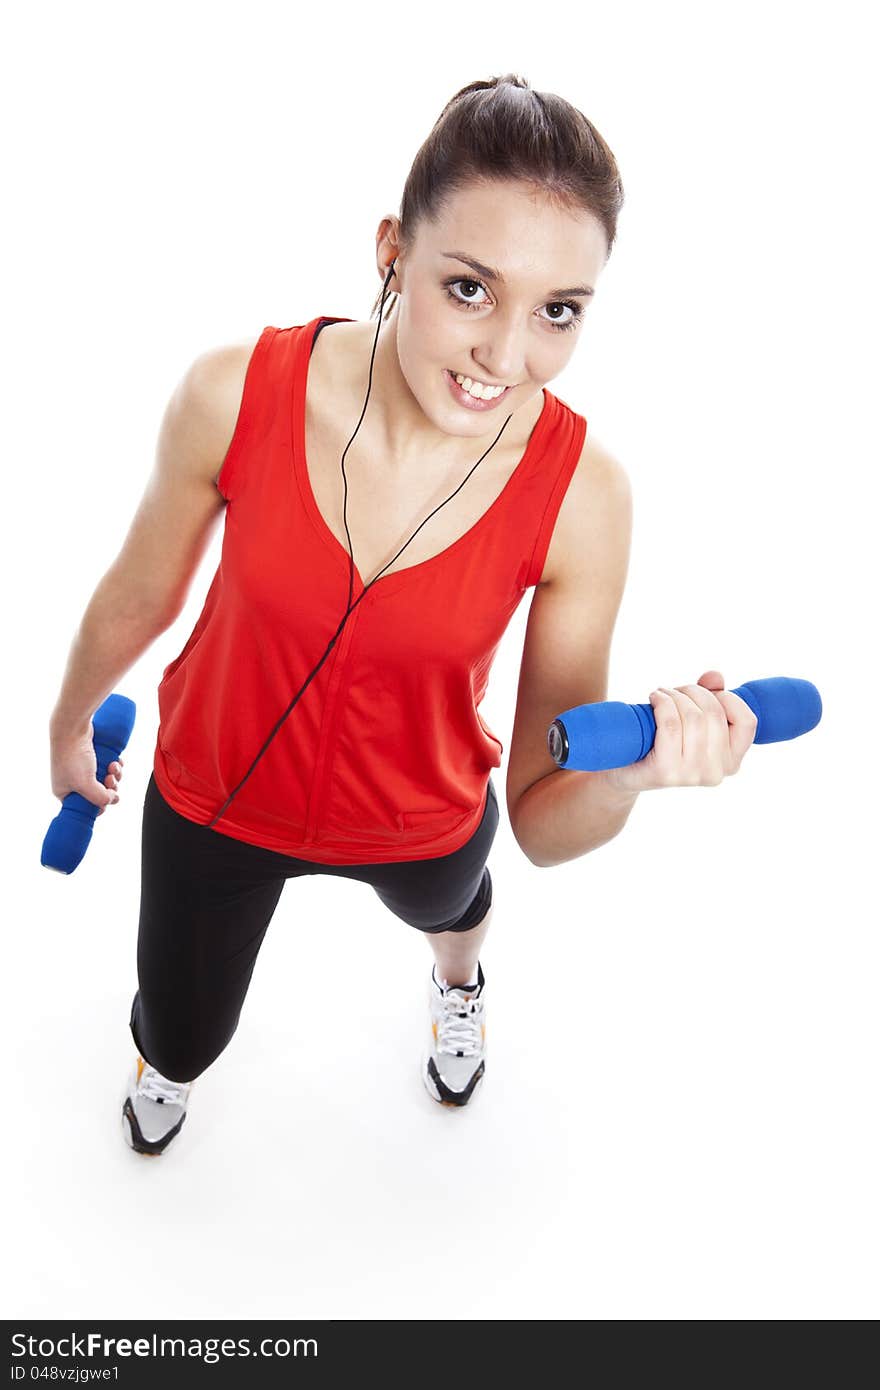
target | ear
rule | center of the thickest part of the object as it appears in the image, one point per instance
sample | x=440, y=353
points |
x=387, y=244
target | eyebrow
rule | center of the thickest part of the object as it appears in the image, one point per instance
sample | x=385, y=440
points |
x=489, y=274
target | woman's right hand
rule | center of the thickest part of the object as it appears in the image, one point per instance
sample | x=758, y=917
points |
x=74, y=768
x=702, y=734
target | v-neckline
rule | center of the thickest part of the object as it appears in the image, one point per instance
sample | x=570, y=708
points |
x=298, y=440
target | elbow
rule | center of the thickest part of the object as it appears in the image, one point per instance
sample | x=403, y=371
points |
x=531, y=852
x=534, y=860
x=537, y=859
x=542, y=859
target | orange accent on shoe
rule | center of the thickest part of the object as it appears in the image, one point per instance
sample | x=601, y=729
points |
x=140, y=1067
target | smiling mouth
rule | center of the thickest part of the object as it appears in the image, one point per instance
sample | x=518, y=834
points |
x=464, y=377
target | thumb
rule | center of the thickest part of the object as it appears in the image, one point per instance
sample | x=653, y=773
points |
x=105, y=799
x=712, y=680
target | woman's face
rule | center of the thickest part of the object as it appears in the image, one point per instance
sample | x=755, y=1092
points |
x=518, y=330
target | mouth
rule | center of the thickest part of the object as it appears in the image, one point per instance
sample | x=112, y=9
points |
x=466, y=399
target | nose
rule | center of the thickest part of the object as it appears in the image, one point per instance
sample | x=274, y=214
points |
x=500, y=373
x=501, y=361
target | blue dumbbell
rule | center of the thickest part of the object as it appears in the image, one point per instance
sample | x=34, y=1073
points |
x=590, y=738
x=70, y=833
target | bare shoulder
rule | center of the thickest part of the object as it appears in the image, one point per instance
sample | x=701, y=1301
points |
x=596, y=511
x=210, y=395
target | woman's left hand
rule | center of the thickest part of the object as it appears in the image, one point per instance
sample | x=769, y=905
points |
x=703, y=734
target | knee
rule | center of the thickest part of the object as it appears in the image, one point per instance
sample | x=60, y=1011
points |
x=479, y=913
x=482, y=925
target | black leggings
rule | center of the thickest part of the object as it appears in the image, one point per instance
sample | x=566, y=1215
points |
x=207, y=899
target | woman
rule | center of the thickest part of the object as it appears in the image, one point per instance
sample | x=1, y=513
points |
x=320, y=721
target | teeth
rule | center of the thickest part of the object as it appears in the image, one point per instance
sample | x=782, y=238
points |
x=477, y=389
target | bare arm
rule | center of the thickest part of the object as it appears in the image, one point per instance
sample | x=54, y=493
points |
x=145, y=588
x=107, y=643
x=702, y=730
x=557, y=814
x=571, y=813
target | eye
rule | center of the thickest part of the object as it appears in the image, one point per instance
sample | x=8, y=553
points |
x=467, y=303
x=454, y=297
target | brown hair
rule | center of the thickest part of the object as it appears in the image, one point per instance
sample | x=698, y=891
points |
x=502, y=129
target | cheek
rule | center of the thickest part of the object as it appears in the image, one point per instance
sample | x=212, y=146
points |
x=428, y=345
x=427, y=331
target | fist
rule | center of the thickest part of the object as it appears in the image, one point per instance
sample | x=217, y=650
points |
x=703, y=734
x=74, y=768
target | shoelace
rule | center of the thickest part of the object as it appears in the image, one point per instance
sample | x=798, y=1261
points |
x=157, y=1087
x=458, y=1027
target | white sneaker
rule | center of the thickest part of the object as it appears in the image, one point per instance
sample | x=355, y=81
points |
x=153, y=1109
x=454, y=1060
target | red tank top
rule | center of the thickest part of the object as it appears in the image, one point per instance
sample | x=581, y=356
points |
x=385, y=756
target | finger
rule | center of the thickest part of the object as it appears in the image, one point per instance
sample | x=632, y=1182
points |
x=667, y=719
x=711, y=680
x=708, y=701
x=684, y=700
x=742, y=722
x=704, y=732
x=699, y=695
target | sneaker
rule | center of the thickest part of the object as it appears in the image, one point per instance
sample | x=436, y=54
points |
x=153, y=1109
x=453, y=1063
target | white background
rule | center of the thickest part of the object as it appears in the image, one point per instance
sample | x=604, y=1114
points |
x=679, y=1116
